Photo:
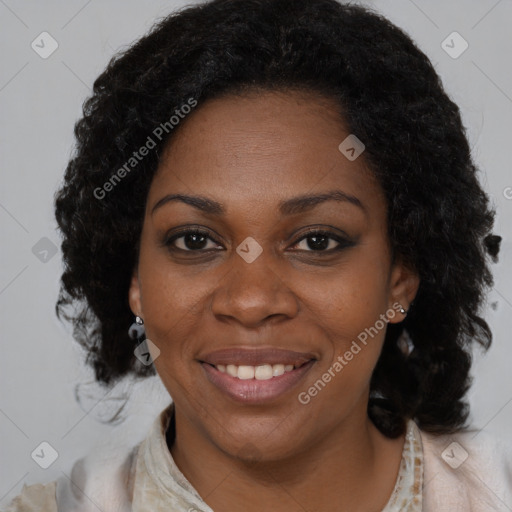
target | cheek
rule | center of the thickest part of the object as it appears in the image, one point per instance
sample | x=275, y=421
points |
x=175, y=301
x=349, y=298
x=349, y=306
x=343, y=377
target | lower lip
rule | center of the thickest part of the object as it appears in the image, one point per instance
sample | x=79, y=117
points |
x=252, y=390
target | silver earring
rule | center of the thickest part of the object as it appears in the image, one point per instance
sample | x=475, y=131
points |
x=402, y=310
x=136, y=330
x=405, y=343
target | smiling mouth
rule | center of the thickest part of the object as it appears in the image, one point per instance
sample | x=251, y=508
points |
x=255, y=375
x=256, y=385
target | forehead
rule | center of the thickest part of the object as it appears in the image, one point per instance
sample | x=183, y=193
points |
x=262, y=147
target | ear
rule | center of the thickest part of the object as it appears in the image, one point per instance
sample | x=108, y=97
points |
x=404, y=284
x=134, y=295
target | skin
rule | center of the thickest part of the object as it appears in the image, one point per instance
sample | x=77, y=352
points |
x=250, y=153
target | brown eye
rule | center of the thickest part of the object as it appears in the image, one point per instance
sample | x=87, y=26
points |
x=322, y=241
x=190, y=241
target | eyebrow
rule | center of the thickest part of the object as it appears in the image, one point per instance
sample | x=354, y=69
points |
x=291, y=206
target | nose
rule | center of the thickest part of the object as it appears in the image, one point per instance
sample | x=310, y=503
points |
x=252, y=294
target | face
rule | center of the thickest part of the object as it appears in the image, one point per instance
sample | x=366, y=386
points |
x=264, y=250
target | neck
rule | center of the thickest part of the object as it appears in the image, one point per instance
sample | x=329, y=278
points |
x=354, y=468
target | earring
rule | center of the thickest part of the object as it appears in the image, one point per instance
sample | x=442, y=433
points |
x=402, y=310
x=405, y=343
x=136, y=330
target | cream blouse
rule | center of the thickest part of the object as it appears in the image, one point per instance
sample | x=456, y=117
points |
x=147, y=479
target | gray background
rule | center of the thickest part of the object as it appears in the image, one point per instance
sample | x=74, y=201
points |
x=40, y=100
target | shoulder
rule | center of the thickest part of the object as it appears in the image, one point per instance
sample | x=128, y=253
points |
x=35, y=498
x=469, y=470
x=102, y=478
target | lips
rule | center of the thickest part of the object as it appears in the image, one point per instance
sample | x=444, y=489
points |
x=245, y=375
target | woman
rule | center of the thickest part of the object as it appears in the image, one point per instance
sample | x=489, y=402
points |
x=274, y=202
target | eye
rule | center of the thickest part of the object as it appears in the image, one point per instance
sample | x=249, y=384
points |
x=322, y=241
x=191, y=240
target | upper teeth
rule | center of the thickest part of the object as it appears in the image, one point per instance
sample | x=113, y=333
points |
x=262, y=372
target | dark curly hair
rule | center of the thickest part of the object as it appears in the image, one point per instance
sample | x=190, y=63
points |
x=439, y=219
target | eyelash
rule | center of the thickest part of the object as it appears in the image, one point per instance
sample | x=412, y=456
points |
x=343, y=242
